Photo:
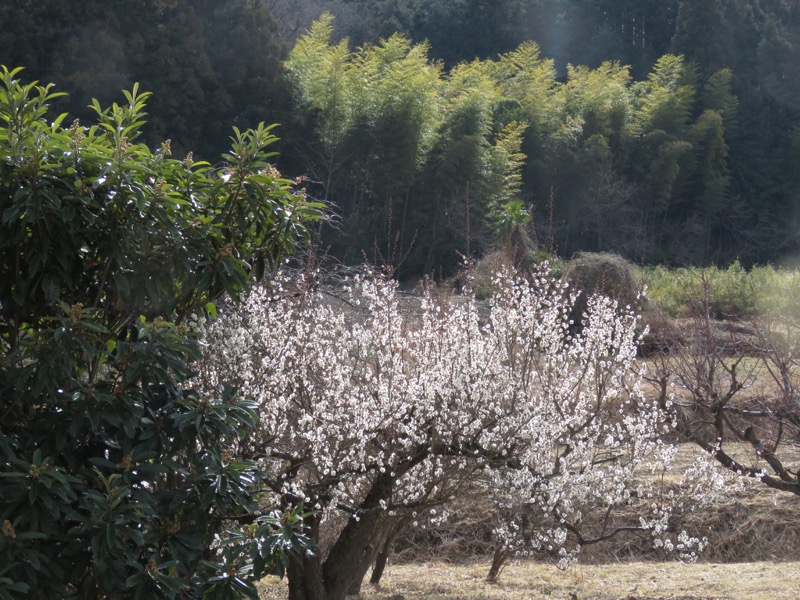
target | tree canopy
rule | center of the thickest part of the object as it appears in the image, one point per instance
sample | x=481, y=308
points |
x=416, y=158
x=675, y=117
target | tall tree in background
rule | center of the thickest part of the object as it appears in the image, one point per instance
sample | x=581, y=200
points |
x=597, y=106
x=702, y=34
x=370, y=119
x=634, y=32
x=243, y=43
x=779, y=56
x=398, y=115
x=448, y=217
x=208, y=63
x=322, y=83
x=407, y=151
x=378, y=156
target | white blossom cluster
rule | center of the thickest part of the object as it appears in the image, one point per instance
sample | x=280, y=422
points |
x=368, y=406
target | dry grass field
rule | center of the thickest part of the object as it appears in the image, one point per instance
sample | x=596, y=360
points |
x=754, y=553
x=525, y=580
x=629, y=581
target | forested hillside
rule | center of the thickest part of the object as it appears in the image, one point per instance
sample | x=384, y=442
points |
x=666, y=130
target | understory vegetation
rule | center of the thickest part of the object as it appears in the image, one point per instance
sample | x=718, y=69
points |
x=730, y=293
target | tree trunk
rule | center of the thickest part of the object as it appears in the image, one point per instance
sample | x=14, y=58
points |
x=357, y=543
x=367, y=557
x=500, y=557
x=305, y=579
x=382, y=557
x=305, y=572
x=380, y=561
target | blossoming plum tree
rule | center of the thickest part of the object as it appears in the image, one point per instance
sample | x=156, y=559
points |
x=376, y=410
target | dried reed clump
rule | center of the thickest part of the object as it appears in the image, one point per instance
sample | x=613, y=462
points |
x=761, y=527
x=661, y=334
x=751, y=526
x=465, y=535
x=485, y=270
x=603, y=273
x=590, y=273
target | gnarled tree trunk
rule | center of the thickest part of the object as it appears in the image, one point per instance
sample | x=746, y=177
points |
x=385, y=549
x=305, y=572
x=350, y=557
x=305, y=579
x=343, y=569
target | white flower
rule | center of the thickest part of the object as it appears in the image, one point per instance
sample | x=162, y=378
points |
x=549, y=422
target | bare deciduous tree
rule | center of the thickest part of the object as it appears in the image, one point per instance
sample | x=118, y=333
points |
x=734, y=390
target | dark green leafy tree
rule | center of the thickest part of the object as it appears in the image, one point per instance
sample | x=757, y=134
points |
x=242, y=41
x=633, y=32
x=116, y=478
x=702, y=34
x=778, y=55
x=209, y=64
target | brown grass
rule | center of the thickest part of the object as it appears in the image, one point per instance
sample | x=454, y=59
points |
x=754, y=545
x=639, y=581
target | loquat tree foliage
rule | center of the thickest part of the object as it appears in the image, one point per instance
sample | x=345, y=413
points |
x=115, y=475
